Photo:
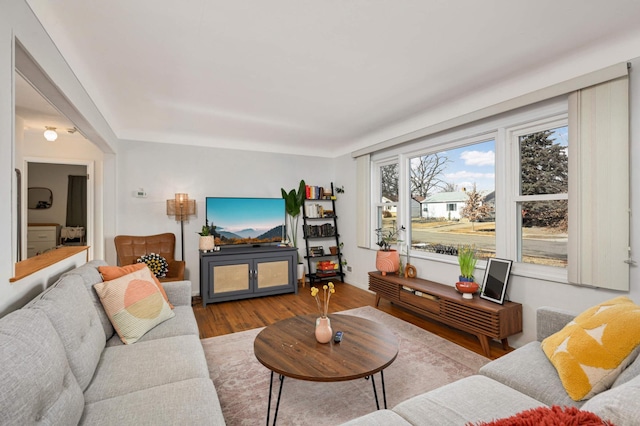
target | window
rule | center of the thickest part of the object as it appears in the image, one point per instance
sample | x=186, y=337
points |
x=542, y=198
x=386, y=205
x=455, y=187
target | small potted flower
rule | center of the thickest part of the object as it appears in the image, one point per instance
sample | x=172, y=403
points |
x=206, y=242
x=323, y=331
x=388, y=259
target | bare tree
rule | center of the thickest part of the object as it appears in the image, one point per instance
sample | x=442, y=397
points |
x=426, y=172
x=475, y=208
x=389, y=181
x=450, y=187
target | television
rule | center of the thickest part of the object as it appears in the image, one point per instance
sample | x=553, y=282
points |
x=246, y=221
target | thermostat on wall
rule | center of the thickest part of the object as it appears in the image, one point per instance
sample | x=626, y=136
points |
x=140, y=193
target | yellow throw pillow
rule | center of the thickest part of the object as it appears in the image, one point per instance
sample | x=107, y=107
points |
x=134, y=304
x=590, y=352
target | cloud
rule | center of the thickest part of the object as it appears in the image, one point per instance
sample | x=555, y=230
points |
x=478, y=158
x=464, y=174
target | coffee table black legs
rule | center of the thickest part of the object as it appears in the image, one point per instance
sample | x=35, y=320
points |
x=275, y=415
x=375, y=391
x=281, y=377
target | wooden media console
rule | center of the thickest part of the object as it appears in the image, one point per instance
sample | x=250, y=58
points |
x=444, y=303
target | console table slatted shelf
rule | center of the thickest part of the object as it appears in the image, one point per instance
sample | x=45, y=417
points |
x=485, y=319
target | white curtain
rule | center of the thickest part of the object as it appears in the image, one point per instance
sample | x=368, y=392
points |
x=363, y=201
x=599, y=185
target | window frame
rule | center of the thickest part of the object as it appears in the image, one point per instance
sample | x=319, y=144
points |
x=500, y=129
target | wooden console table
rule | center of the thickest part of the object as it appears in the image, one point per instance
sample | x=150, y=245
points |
x=443, y=303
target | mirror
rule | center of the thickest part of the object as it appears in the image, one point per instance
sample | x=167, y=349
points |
x=39, y=198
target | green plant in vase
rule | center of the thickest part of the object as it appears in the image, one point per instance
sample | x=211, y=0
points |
x=467, y=261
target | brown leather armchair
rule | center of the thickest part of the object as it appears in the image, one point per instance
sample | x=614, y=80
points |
x=129, y=248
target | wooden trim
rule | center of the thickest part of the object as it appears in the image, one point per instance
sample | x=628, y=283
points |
x=37, y=263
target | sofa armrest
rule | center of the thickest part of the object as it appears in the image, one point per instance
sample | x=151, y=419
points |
x=551, y=320
x=178, y=292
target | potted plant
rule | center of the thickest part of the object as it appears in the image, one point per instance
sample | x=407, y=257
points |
x=206, y=242
x=466, y=281
x=387, y=259
x=293, y=201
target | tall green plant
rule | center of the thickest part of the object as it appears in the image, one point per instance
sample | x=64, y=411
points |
x=467, y=260
x=293, y=202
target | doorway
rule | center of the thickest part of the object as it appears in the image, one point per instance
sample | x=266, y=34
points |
x=64, y=213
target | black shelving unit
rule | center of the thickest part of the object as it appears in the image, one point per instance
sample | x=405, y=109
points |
x=320, y=230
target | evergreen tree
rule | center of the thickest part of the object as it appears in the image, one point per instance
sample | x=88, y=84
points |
x=544, y=170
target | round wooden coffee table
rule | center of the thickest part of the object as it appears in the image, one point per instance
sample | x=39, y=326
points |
x=289, y=348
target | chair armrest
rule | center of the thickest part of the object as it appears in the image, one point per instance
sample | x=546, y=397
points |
x=178, y=292
x=176, y=270
x=551, y=320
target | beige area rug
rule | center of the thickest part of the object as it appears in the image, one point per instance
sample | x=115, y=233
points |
x=425, y=361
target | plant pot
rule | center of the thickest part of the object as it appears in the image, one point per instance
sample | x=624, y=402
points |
x=301, y=271
x=387, y=261
x=206, y=243
x=333, y=250
x=467, y=288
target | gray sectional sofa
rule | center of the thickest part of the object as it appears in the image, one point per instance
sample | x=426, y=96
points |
x=521, y=380
x=62, y=364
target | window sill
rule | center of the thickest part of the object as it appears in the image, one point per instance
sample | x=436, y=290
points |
x=42, y=261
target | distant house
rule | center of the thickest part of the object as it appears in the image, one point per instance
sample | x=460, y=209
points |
x=416, y=206
x=448, y=205
x=444, y=205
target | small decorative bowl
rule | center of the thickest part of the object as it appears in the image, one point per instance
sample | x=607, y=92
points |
x=467, y=288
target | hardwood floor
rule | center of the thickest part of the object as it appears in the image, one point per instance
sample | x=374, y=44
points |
x=230, y=317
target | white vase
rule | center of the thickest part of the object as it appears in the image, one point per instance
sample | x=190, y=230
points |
x=206, y=243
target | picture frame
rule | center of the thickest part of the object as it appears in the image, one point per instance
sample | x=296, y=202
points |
x=496, y=278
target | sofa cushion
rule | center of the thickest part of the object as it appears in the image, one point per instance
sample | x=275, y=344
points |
x=134, y=304
x=90, y=275
x=472, y=399
x=182, y=324
x=529, y=371
x=187, y=402
x=618, y=405
x=130, y=368
x=69, y=308
x=36, y=380
x=591, y=351
x=113, y=272
x=378, y=418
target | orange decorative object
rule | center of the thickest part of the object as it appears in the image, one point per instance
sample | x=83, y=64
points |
x=467, y=288
x=387, y=261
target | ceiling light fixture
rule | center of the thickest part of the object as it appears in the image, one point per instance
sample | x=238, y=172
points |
x=50, y=134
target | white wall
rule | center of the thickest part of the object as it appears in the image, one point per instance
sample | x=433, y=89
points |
x=165, y=169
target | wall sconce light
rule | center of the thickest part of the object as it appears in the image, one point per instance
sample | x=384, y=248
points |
x=181, y=207
x=50, y=134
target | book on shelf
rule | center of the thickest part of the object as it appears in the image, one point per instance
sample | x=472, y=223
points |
x=317, y=193
x=316, y=251
x=326, y=274
x=324, y=230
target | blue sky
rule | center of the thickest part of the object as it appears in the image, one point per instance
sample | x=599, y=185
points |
x=476, y=163
x=472, y=164
x=236, y=214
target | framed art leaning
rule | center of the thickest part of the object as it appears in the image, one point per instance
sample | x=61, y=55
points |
x=496, y=277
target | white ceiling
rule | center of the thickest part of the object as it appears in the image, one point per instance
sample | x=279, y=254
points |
x=301, y=76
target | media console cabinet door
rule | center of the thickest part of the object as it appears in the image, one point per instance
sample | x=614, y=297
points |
x=230, y=278
x=273, y=274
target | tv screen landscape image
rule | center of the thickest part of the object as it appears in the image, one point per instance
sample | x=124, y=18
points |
x=246, y=221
